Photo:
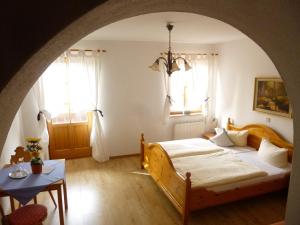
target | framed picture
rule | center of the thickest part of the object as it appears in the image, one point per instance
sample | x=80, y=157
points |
x=270, y=97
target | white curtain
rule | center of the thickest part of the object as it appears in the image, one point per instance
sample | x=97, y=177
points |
x=54, y=89
x=99, y=152
x=210, y=109
x=71, y=86
x=188, y=89
x=167, y=96
x=81, y=72
x=213, y=71
x=195, y=90
x=43, y=115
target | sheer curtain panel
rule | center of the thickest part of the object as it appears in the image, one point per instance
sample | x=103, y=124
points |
x=97, y=135
x=43, y=116
x=71, y=89
x=188, y=89
x=194, y=91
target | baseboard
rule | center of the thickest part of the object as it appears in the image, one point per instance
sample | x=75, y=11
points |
x=123, y=156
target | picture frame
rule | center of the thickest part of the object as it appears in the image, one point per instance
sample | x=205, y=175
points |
x=270, y=97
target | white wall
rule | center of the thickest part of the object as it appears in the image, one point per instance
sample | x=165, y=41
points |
x=133, y=95
x=24, y=125
x=14, y=139
x=240, y=62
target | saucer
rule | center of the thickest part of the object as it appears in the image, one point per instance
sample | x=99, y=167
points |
x=19, y=174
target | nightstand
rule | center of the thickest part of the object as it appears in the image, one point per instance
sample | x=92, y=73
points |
x=208, y=135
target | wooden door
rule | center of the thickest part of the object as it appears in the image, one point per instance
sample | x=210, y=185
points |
x=70, y=140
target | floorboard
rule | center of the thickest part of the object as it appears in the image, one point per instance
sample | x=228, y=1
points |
x=117, y=192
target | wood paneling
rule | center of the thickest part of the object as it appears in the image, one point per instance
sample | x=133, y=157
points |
x=70, y=140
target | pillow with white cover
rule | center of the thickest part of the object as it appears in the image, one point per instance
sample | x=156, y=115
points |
x=218, y=130
x=222, y=139
x=272, y=154
x=239, y=138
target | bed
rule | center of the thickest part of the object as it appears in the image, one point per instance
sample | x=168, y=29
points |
x=179, y=186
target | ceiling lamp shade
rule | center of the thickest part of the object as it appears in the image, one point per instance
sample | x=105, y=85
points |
x=174, y=67
x=155, y=66
x=170, y=61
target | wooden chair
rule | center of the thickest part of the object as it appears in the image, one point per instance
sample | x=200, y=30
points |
x=24, y=156
x=26, y=215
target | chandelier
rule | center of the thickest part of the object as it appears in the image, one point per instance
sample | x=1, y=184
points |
x=169, y=61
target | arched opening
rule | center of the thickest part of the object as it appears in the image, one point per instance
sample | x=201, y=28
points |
x=228, y=14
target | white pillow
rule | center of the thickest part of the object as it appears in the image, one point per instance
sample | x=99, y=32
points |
x=239, y=138
x=222, y=139
x=272, y=154
x=218, y=130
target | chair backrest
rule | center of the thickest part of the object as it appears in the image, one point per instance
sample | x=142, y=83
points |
x=20, y=156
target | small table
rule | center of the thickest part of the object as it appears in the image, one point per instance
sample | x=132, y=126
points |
x=35, y=183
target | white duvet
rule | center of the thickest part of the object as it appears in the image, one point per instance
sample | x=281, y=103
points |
x=189, y=147
x=216, y=169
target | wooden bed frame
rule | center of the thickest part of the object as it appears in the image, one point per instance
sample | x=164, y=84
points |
x=178, y=188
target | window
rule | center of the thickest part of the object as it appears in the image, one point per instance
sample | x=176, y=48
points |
x=188, y=89
x=68, y=88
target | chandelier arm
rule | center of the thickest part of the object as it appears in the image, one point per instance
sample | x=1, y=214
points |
x=170, y=61
x=180, y=58
x=163, y=58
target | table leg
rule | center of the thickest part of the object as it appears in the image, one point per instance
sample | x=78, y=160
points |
x=53, y=200
x=35, y=200
x=65, y=195
x=60, y=206
x=12, y=203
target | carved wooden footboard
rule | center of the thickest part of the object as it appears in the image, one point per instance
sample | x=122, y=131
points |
x=177, y=188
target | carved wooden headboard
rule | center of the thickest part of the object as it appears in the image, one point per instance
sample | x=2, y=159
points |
x=259, y=131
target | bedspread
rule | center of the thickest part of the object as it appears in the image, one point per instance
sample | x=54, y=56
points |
x=216, y=169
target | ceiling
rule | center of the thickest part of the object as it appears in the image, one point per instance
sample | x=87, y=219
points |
x=188, y=28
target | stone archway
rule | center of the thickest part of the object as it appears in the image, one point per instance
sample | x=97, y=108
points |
x=275, y=27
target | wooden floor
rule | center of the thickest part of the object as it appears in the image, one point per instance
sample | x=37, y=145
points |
x=119, y=193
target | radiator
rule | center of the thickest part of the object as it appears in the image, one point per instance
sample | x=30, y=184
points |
x=189, y=130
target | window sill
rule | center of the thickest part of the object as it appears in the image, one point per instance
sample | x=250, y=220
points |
x=184, y=115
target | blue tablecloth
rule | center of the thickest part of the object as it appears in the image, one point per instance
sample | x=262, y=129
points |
x=26, y=188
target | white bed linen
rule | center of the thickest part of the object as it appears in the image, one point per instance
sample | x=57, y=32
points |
x=219, y=168
x=247, y=154
x=252, y=157
x=189, y=147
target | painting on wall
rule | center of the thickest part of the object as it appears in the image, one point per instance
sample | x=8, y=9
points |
x=270, y=97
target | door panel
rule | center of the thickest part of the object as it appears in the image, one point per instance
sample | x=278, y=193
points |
x=61, y=136
x=70, y=140
x=79, y=139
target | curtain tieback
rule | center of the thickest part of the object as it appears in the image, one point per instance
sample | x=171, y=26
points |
x=99, y=111
x=38, y=117
x=44, y=113
x=170, y=99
